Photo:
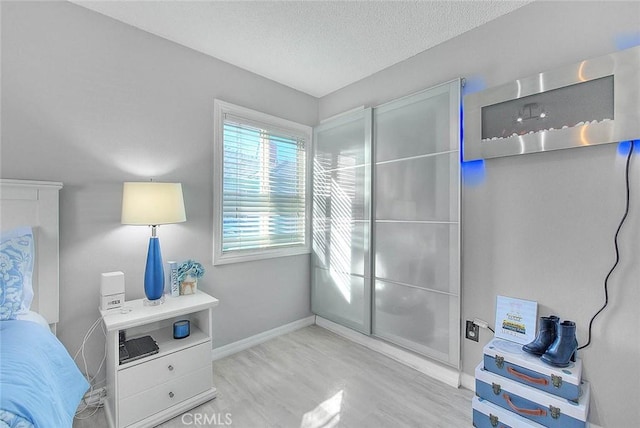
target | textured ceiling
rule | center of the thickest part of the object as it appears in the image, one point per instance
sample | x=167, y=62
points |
x=316, y=47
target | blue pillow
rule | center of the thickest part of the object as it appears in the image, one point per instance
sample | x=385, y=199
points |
x=16, y=269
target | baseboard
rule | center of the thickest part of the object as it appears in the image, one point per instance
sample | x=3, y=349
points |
x=467, y=381
x=241, y=345
x=437, y=371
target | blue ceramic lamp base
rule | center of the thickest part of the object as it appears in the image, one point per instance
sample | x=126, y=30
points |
x=154, y=274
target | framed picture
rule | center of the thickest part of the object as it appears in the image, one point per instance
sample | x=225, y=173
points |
x=516, y=319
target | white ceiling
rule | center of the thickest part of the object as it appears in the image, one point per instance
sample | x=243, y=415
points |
x=316, y=47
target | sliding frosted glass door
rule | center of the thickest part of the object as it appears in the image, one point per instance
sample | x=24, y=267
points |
x=341, y=281
x=416, y=223
x=386, y=237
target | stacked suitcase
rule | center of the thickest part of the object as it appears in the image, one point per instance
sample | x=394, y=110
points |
x=515, y=389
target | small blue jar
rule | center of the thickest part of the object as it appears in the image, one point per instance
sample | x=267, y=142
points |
x=181, y=329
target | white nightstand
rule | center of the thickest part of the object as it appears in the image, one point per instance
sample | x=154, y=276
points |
x=153, y=389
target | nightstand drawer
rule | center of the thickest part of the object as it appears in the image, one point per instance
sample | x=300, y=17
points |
x=139, y=406
x=143, y=376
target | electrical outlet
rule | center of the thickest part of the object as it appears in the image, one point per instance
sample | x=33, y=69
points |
x=472, y=332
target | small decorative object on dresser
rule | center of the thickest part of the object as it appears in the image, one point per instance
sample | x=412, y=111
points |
x=181, y=329
x=188, y=274
x=174, y=285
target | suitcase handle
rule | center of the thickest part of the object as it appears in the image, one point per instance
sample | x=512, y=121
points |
x=530, y=412
x=534, y=380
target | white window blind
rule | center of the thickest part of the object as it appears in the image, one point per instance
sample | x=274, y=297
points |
x=264, y=201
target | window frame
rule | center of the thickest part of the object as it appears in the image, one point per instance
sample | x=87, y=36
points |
x=273, y=123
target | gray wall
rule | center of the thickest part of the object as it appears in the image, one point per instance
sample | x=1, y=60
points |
x=541, y=226
x=92, y=102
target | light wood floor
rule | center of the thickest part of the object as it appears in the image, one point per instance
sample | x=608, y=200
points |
x=313, y=378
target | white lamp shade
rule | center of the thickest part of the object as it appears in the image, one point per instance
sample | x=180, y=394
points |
x=151, y=203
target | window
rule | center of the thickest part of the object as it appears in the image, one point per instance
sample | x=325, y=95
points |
x=261, y=185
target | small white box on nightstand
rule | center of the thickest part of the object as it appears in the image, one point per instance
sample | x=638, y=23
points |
x=111, y=290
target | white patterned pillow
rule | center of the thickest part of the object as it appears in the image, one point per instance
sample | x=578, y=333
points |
x=16, y=268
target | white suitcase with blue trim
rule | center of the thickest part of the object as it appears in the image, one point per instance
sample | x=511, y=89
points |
x=539, y=406
x=507, y=359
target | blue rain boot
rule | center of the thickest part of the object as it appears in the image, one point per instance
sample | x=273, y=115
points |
x=565, y=346
x=547, y=327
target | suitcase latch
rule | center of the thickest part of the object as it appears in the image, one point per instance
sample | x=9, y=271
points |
x=556, y=380
x=496, y=388
x=555, y=412
x=493, y=419
x=499, y=361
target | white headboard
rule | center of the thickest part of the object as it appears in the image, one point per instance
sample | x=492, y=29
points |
x=35, y=204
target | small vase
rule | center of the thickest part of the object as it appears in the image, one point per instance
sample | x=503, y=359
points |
x=189, y=285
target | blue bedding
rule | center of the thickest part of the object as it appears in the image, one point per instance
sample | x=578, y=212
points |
x=40, y=383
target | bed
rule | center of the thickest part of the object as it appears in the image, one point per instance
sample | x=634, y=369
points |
x=40, y=384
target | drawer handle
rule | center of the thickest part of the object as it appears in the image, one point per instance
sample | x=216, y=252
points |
x=530, y=412
x=170, y=368
x=524, y=377
x=171, y=394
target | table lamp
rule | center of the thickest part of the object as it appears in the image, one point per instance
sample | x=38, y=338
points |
x=153, y=204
